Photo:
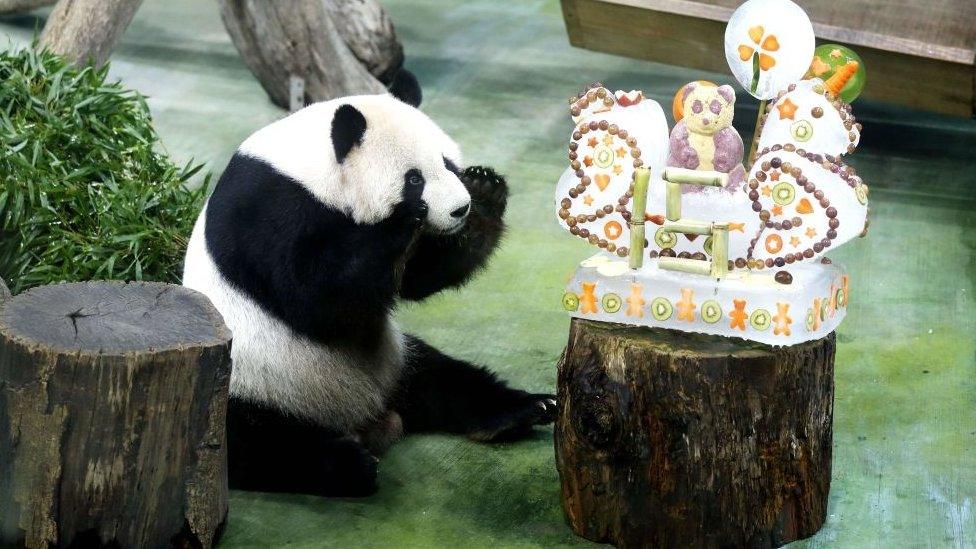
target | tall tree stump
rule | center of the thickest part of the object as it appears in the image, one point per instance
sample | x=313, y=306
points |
x=85, y=31
x=296, y=38
x=112, y=407
x=669, y=439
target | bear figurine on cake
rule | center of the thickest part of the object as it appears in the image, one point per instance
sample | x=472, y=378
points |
x=704, y=138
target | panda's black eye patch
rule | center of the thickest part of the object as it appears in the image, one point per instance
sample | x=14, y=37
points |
x=451, y=166
x=414, y=178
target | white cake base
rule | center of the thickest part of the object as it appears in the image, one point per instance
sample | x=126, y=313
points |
x=746, y=304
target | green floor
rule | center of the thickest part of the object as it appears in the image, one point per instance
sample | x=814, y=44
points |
x=496, y=75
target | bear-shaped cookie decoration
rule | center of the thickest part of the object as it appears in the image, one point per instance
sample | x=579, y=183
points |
x=704, y=138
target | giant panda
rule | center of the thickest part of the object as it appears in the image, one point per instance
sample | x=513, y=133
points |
x=320, y=223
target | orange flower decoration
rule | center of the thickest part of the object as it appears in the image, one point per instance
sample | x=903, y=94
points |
x=767, y=44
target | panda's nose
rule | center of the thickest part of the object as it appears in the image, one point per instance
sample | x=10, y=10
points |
x=462, y=211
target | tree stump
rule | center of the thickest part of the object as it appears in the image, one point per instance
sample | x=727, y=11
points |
x=670, y=439
x=113, y=399
x=85, y=31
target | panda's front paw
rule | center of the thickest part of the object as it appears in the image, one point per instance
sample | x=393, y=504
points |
x=488, y=189
x=518, y=419
x=410, y=215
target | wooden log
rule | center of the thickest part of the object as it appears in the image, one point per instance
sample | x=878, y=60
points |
x=85, y=31
x=19, y=6
x=365, y=27
x=113, y=399
x=669, y=439
x=295, y=38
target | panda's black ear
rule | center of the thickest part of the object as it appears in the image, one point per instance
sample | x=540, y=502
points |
x=348, y=127
x=406, y=88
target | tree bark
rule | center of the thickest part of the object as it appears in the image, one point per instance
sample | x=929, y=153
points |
x=85, y=31
x=369, y=33
x=295, y=38
x=18, y=6
x=112, y=407
x=670, y=439
x=4, y=292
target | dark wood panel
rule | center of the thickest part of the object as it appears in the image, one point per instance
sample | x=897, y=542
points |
x=897, y=72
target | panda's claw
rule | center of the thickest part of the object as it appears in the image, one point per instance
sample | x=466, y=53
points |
x=488, y=189
x=518, y=422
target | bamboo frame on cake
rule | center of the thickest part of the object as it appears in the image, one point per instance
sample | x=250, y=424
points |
x=674, y=178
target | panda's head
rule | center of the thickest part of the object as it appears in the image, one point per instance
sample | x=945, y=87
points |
x=359, y=154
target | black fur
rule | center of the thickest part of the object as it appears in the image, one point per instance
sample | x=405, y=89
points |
x=270, y=451
x=406, y=88
x=440, y=393
x=348, y=127
x=455, y=258
x=276, y=242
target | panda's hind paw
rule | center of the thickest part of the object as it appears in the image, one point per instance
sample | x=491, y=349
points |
x=347, y=469
x=518, y=420
x=488, y=189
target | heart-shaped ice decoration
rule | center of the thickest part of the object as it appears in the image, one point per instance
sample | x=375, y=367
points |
x=614, y=134
x=807, y=202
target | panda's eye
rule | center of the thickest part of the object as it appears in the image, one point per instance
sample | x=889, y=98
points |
x=451, y=166
x=715, y=106
x=696, y=107
x=414, y=177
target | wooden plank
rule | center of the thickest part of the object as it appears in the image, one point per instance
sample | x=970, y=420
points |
x=689, y=34
x=939, y=30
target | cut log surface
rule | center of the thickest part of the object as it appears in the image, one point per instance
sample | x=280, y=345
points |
x=112, y=406
x=670, y=439
x=85, y=31
x=287, y=38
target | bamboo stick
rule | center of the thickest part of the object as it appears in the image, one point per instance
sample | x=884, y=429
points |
x=754, y=146
x=685, y=265
x=642, y=177
x=688, y=226
x=720, y=250
x=696, y=177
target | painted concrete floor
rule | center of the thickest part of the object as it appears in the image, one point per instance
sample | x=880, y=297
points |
x=496, y=75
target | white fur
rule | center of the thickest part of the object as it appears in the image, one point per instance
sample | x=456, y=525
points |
x=271, y=363
x=369, y=183
x=274, y=365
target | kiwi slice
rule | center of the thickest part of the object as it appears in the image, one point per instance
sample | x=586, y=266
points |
x=841, y=297
x=801, y=130
x=570, y=301
x=661, y=308
x=784, y=193
x=861, y=191
x=760, y=319
x=665, y=239
x=810, y=320
x=604, y=156
x=823, y=308
x=711, y=311
x=611, y=302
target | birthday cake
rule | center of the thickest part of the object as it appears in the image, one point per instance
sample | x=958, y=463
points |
x=691, y=239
